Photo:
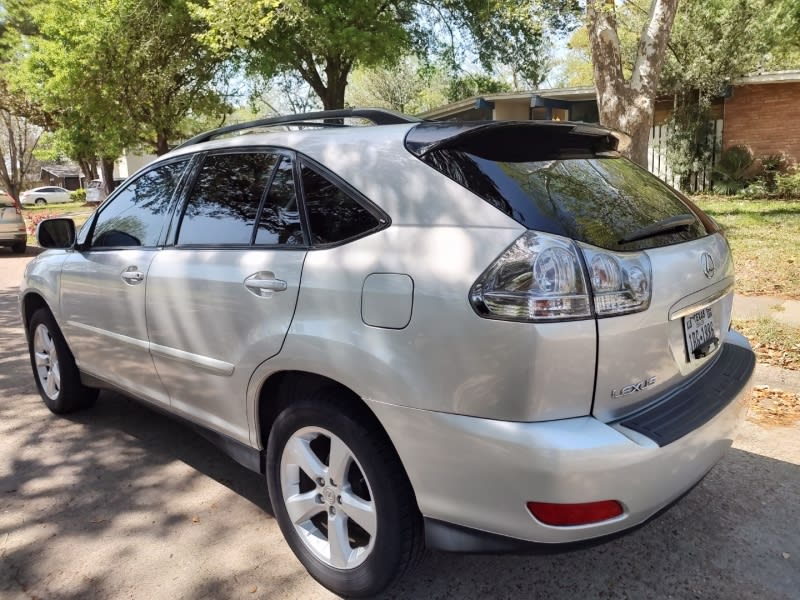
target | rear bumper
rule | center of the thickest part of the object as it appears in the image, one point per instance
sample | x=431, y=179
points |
x=478, y=474
x=9, y=239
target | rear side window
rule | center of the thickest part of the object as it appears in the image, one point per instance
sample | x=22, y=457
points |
x=600, y=201
x=135, y=216
x=279, y=222
x=223, y=204
x=333, y=214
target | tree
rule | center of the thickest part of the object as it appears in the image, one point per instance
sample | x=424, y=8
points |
x=409, y=87
x=324, y=40
x=126, y=74
x=18, y=140
x=627, y=103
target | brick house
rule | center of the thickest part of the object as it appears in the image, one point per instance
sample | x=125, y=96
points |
x=761, y=112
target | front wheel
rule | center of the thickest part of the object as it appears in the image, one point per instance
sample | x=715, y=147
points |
x=40, y=202
x=19, y=248
x=54, y=368
x=341, y=497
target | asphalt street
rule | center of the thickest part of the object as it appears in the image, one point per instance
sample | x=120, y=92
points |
x=122, y=502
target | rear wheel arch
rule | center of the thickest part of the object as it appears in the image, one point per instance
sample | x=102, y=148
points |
x=282, y=387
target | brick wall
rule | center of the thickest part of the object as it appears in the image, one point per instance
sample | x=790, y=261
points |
x=765, y=118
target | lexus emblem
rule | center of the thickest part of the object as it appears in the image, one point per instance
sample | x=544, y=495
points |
x=707, y=262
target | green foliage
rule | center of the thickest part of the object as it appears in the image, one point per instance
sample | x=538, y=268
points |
x=407, y=87
x=787, y=185
x=117, y=73
x=325, y=40
x=733, y=170
x=474, y=84
x=78, y=195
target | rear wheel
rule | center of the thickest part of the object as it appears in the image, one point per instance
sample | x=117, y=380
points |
x=341, y=497
x=19, y=248
x=54, y=369
x=40, y=202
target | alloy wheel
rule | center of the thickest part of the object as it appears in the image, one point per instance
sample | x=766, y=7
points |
x=328, y=498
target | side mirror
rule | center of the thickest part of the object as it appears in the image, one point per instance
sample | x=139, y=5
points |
x=56, y=233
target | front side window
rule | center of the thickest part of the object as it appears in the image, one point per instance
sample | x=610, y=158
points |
x=223, y=205
x=136, y=215
x=333, y=215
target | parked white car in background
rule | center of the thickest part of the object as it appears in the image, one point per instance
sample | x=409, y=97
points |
x=95, y=191
x=44, y=195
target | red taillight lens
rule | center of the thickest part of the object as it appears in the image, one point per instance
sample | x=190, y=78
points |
x=564, y=515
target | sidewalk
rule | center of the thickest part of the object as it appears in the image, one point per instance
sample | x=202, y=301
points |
x=753, y=307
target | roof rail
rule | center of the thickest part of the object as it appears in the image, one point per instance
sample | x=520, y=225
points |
x=378, y=116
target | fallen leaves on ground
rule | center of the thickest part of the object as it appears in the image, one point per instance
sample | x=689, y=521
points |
x=774, y=407
x=774, y=343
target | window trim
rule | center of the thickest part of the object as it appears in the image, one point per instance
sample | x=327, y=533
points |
x=86, y=245
x=384, y=220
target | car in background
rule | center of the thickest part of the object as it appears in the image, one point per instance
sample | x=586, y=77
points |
x=12, y=226
x=95, y=191
x=44, y=195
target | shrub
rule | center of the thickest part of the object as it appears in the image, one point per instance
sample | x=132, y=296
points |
x=773, y=165
x=756, y=189
x=78, y=195
x=732, y=172
x=33, y=219
x=787, y=185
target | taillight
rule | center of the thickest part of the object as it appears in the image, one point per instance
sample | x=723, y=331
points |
x=569, y=515
x=538, y=278
x=621, y=282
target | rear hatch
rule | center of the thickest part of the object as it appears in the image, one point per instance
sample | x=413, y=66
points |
x=11, y=221
x=628, y=226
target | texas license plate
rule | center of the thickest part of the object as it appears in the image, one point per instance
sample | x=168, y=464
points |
x=698, y=329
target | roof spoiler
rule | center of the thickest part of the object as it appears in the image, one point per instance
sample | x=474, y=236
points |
x=516, y=141
x=323, y=118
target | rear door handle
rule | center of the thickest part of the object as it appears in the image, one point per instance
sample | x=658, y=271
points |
x=132, y=275
x=264, y=284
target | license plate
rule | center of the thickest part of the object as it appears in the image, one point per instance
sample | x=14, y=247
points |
x=698, y=329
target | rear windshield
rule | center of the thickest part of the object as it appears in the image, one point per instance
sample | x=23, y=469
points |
x=600, y=201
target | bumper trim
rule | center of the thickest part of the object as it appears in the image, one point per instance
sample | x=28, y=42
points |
x=695, y=405
x=449, y=537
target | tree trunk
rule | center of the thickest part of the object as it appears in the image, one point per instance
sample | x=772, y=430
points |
x=162, y=144
x=107, y=174
x=89, y=168
x=628, y=105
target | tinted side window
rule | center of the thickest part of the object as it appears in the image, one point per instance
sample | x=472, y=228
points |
x=134, y=217
x=280, y=218
x=333, y=216
x=223, y=204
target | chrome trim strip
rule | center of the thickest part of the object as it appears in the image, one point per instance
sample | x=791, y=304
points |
x=218, y=367
x=144, y=345
x=693, y=308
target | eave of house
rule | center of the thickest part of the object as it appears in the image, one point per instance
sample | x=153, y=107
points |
x=792, y=76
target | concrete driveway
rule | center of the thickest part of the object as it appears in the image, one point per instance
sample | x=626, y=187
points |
x=122, y=502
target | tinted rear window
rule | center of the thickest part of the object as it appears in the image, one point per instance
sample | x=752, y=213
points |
x=599, y=201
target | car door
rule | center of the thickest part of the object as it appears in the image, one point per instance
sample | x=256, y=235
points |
x=60, y=195
x=221, y=299
x=103, y=284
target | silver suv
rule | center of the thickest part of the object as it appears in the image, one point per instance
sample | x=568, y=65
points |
x=470, y=336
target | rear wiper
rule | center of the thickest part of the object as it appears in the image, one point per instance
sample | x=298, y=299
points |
x=667, y=225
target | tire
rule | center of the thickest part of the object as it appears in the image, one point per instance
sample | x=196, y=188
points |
x=383, y=543
x=40, y=202
x=19, y=248
x=58, y=380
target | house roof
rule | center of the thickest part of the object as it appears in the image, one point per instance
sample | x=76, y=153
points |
x=580, y=93
x=792, y=76
x=63, y=170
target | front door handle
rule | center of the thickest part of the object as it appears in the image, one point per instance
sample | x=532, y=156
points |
x=264, y=284
x=132, y=275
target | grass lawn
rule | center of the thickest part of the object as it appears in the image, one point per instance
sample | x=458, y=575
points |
x=765, y=239
x=775, y=343
x=77, y=211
